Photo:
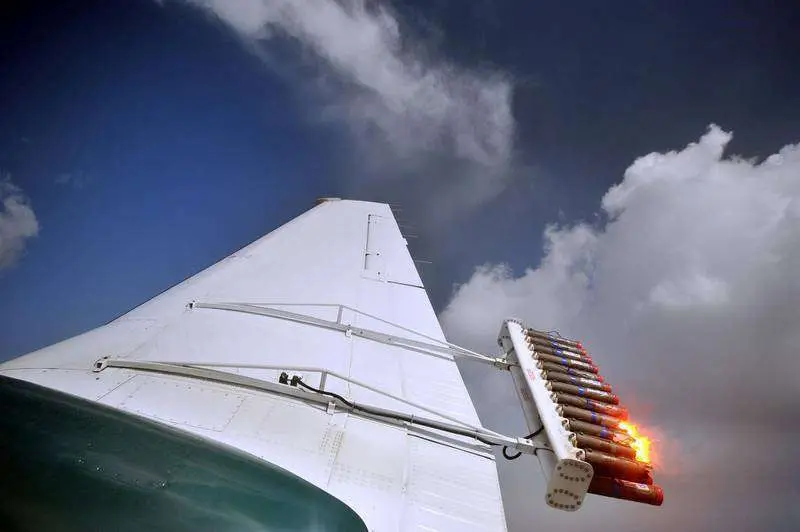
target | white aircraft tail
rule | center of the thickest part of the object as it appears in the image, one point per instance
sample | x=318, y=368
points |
x=314, y=354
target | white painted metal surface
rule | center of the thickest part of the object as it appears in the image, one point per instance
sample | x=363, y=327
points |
x=546, y=456
x=342, y=262
x=568, y=475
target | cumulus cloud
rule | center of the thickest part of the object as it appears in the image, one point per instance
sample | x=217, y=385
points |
x=17, y=223
x=689, y=297
x=408, y=112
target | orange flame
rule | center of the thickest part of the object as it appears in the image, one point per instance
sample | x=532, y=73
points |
x=641, y=444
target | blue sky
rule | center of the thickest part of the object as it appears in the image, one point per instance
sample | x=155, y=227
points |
x=151, y=139
x=150, y=143
x=175, y=145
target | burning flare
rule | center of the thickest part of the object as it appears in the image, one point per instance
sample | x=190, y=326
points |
x=641, y=444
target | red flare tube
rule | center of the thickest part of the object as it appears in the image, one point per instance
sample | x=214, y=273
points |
x=568, y=362
x=585, y=441
x=615, y=436
x=558, y=376
x=619, y=412
x=550, y=366
x=589, y=393
x=556, y=351
x=629, y=491
x=606, y=465
x=554, y=338
x=581, y=414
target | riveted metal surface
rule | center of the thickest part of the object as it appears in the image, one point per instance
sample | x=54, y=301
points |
x=309, y=266
x=182, y=403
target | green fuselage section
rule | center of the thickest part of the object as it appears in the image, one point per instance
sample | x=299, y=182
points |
x=74, y=465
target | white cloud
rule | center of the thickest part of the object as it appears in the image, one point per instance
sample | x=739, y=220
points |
x=77, y=179
x=696, y=289
x=17, y=223
x=689, y=297
x=405, y=109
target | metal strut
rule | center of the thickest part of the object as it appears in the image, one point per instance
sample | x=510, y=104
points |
x=440, y=349
x=190, y=370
